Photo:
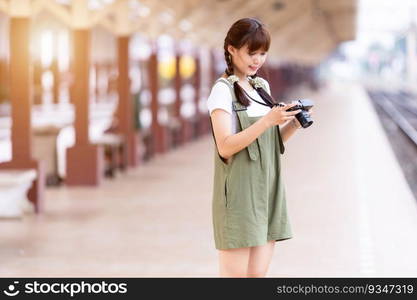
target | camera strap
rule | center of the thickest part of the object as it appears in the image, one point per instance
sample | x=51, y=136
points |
x=280, y=141
x=247, y=95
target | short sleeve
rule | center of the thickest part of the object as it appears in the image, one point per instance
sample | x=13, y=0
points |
x=267, y=86
x=220, y=97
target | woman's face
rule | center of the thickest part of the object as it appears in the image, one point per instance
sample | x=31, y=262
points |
x=247, y=62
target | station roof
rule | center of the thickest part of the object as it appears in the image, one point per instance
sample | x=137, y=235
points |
x=303, y=31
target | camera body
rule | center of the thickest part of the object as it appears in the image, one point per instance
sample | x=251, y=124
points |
x=303, y=116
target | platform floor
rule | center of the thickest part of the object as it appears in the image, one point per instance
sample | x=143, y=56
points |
x=351, y=210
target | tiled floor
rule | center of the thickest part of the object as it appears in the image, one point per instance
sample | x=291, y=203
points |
x=351, y=211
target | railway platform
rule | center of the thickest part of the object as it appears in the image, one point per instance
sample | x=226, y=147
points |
x=352, y=212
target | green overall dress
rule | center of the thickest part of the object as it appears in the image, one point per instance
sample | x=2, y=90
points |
x=248, y=204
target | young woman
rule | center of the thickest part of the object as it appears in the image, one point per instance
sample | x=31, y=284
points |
x=249, y=206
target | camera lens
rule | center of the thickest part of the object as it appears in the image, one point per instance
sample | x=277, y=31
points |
x=304, y=118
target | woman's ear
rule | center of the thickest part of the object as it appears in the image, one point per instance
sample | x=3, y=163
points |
x=231, y=49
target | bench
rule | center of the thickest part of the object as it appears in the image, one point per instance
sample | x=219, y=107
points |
x=14, y=185
x=44, y=148
x=148, y=144
x=174, y=128
x=114, y=148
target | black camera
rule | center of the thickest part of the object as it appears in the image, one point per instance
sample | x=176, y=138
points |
x=303, y=116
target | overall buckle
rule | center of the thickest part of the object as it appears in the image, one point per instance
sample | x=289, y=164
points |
x=238, y=107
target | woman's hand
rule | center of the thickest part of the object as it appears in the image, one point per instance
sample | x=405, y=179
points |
x=278, y=114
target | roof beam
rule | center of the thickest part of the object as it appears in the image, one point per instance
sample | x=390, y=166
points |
x=300, y=44
x=20, y=8
x=80, y=15
x=221, y=20
x=299, y=27
x=293, y=28
x=287, y=15
x=4, y=7
x=344, y=23
x=55, y=9
x=104, y=12
x=107, y=24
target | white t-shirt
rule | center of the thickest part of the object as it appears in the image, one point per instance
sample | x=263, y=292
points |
x=221, y=98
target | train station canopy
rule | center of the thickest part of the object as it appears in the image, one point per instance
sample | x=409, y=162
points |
x=303, y=31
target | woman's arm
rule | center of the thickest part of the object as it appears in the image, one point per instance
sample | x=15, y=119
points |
x=289, y=129
x=228, y=143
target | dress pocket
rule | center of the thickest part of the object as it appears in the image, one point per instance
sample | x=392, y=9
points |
x=253, y=150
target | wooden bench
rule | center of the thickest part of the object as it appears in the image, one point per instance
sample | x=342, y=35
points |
x=174, y=128
x=114, y=148
x=148, y=144
x=44, y=148
x=14, y=185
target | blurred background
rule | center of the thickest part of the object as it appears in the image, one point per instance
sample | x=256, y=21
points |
x=106, y=151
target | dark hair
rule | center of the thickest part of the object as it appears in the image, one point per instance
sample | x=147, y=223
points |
x=252, y=32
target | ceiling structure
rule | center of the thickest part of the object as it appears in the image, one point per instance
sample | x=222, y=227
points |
x=303, y=31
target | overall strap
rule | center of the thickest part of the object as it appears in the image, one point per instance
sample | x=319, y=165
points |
x=242, y=115
x=281, y=143
x=240, y=110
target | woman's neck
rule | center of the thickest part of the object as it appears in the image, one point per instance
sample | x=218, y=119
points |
x=242, y=76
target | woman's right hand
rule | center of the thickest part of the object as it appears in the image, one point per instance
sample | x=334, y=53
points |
x=278, y=114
